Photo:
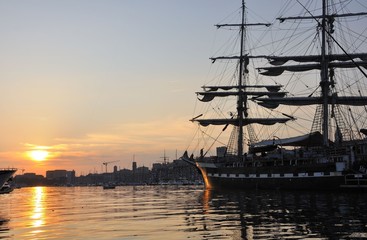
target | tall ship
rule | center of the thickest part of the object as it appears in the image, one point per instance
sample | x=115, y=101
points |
x=292, y=112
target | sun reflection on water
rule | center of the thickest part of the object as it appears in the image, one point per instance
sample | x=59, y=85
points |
x=37, y=215
x=206, y=200
x=179, y=212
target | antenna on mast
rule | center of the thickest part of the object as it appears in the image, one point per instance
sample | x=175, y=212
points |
x=165, y=158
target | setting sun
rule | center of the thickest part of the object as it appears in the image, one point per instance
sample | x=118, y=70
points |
x=39, y=155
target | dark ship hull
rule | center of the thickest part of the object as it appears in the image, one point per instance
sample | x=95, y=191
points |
x=230, y=178
x=283, y=172
x=326, y=176
x=5, y=175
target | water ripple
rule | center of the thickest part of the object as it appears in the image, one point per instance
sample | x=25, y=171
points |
x=179, y=212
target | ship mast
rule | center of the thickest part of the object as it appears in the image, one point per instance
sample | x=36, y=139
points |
x=242, y=91
x=325, y=84
x=326, y=62
x=241, y=99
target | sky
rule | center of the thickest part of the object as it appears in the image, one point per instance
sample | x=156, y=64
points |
x=92, y=81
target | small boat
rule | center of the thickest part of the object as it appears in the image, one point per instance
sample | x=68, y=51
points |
x=296, y=112
x=109, y=186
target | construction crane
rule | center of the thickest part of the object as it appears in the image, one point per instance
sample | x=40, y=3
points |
x=106, y=163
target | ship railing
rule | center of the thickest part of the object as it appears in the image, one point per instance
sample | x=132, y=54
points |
x=7, y=169
x=337, y=151
x=356, y=179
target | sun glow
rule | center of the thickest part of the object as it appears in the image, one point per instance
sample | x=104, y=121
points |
x=38, y=155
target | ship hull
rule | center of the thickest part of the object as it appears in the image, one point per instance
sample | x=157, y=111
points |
x=232, y=178
x=300, y=183
x=5, y=175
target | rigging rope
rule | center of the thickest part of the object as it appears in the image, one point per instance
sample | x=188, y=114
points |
x=337, y=43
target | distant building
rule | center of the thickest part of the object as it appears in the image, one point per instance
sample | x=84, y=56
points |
x=125, y=176
x=142, y=175
x=61, y=177
x=29, y=179
x=175, y=172
x=70, y=177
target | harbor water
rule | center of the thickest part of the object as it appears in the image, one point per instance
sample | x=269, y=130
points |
x=180, y=212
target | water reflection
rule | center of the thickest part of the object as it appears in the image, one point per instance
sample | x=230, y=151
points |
x=279, y=215
x=37, y=214
x=4, y=225
x=180, y=212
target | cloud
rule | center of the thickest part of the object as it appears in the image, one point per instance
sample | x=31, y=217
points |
x=145, y=140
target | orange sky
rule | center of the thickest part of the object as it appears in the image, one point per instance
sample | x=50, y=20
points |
x=144, y=141
x=93, y=81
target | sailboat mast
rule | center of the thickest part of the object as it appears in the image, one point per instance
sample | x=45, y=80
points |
x=241, y=103
x=325, y=84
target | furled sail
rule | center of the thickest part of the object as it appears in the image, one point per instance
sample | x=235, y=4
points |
x=245, y=58
x=270, y=88
x=280, y=60
x=246, y=121
x=278, y=70
x=208, y=96
x=302, y=101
